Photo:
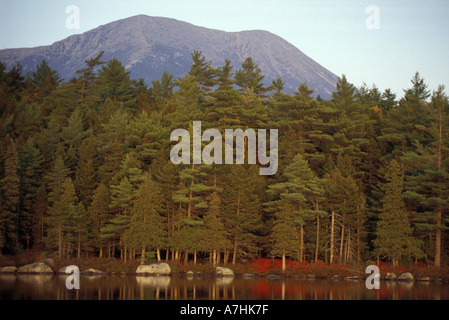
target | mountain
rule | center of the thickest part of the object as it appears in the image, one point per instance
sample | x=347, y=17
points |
x=148, y=46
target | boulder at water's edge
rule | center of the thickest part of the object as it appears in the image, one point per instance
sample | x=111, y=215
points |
x=37, y=267
x=156, y=269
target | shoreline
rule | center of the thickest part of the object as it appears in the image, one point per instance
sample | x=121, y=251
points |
x=256, y=269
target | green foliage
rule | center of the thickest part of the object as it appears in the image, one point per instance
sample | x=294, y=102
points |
x=394, y=232
x=85, y=167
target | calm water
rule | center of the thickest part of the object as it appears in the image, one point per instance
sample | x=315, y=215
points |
x=52, y=287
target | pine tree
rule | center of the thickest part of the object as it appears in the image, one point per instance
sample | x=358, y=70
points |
x=242, y=200
x=394, y=232
x=250, y=77
x=60, y=218
x=350, y=123
x=86, y=82
x=299, y=195
x=147, y=229
x=226, y=106
x=214, y=236
x=30, y=160
x=80, y=229
x=61, y=198
x=86, y=171
x=145, y=135
x=427, y=183
x=115, y=83
x=285, y=234
x=345, y=200
x=419, y=88
x=98, y=214
x=42, y=82
x=202, y=72
x=10, y=185
x=122, y=196
x=124, y=186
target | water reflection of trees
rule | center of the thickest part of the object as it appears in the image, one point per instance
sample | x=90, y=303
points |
x=47, y=287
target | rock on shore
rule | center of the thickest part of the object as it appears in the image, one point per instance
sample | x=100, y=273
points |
x=155, y=269
x=37, y=267
x=9, y=269
x=225, y=272
x=406, y=277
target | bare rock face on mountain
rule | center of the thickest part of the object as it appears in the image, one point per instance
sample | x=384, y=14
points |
x=148, y=46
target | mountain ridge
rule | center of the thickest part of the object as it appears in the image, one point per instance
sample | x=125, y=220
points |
x=147, y=46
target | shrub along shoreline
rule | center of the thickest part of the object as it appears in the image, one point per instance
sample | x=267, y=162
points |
x=255, y=268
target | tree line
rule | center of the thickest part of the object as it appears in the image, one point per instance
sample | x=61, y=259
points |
x=86, y=171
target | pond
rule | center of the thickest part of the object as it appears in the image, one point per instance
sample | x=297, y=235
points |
x=109, y=287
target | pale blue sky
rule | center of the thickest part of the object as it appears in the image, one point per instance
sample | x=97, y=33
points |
x=413, y=35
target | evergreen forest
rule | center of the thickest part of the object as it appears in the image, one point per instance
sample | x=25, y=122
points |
x=85, y=168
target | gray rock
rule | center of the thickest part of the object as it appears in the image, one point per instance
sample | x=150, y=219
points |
x=225, y=272
x=249, y=275
x=274, y=276
x=8, y=269
x=38, y=267
x=335, y=277
x=390, y=276
x=92, y=271
x=156, y=268
x=406, y=277
x=424, y=279
x=189, y=274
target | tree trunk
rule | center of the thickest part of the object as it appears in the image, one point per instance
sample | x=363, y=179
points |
x=142, y=259
x=301, y=245
x=60, y=241
x=317, y=236
x=342, y=239
x=438, y=240
x=158, y=252
x=332, y=238
x=283, y=260
x=439, y=210
x=79, y=245
x=235, y=251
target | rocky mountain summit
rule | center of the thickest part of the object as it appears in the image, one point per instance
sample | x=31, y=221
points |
x=148, y=46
